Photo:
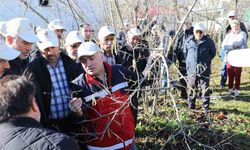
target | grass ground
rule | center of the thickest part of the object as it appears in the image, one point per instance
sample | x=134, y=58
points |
x=227, y=126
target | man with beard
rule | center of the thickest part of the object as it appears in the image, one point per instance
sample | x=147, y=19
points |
x=52, y=72
x=20, y=36
x=58, y=27
x=72, y=42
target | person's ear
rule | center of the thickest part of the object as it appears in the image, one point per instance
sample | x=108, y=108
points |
x=35, y=109
x=34, y=105
x=9, y=39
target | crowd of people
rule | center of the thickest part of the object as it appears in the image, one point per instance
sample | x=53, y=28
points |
x=78, y=92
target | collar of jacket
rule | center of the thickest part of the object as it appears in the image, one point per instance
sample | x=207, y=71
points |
x=22, y=122
x=189, y=31
x=192, y=38
x=93, y=80
x=18, y=62
x=129, y=46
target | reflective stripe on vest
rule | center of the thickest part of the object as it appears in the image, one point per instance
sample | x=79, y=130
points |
x=116, y=146
x=103, y=93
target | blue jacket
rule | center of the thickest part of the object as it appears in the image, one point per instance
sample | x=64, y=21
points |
x=199, y=56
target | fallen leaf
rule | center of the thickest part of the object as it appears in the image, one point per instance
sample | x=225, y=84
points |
x=221, y=116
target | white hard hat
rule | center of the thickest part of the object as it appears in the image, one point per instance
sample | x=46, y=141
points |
x=6, y=52
x=47, y=38
x=105, y=31
x=87, y=49
x=21, y=27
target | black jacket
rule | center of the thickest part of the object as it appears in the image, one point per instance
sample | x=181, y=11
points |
x=17, y=66
x=180, y=41
x=26, y=133
x=139, y=53
x=41, y=78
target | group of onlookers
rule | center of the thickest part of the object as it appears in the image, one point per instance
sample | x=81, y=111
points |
x=74, y=86
x=235, y=38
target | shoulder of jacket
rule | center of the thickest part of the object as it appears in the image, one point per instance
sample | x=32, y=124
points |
x=58, y=139
x=125, y=47
x=65, y=57
x=37, y=61
x=79, y=78
x=190, y=38
x=117, y=67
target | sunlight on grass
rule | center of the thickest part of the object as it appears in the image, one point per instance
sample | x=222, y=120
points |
x=229, y=116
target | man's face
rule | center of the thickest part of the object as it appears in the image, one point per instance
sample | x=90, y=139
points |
x=51, y=54
x=133, y=40
x=72, y=50
x=21, y=45
x=107, y=43
x=93, y=64
x=59, y=33
x=198, y=34
x=87, y=32
x=4, y=65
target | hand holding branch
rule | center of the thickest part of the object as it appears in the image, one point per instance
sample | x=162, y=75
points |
x=75, y=105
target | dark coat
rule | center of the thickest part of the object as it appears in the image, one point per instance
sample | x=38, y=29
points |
x=17, y=66
x=26, y=133
x=139, y=53
x=199, y=56
x=180, y=41
x=43, y=83
x=35, y=53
